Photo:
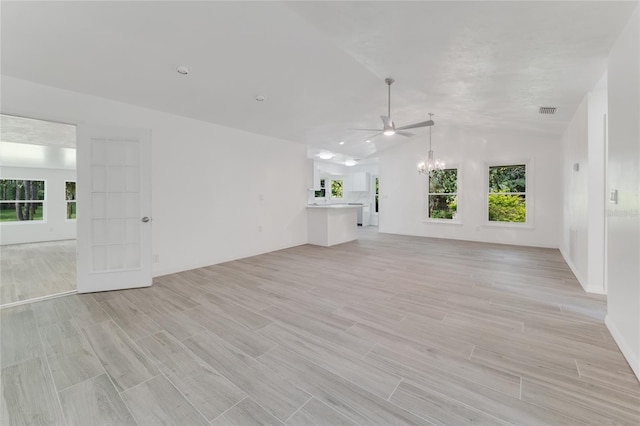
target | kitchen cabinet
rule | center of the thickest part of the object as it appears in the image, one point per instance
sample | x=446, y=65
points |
x=360, y=181
x=366, y=215
x=328, y=225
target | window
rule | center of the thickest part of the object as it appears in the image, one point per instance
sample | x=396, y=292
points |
x=377, y=192
x=336, y=188
x=70, y=196
x=21, y=200
x=321, y=192
x=443, y=194
x=507, y=193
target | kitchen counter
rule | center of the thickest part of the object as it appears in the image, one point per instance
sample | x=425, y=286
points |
x=331, y=224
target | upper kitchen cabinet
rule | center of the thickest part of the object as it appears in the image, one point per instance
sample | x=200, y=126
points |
x=360, y=181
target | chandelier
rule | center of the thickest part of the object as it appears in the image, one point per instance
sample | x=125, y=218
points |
x=430, y=164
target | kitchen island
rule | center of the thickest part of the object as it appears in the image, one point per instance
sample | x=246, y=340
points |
x=331, y=224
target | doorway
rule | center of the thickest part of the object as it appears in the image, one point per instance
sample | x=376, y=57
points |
x=37, y=209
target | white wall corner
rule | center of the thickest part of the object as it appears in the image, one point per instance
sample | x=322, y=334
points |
x=633, y=358
x=583, y=282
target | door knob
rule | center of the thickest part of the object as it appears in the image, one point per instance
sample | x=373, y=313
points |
x=145, y=219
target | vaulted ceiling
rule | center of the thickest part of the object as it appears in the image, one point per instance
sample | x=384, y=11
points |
x=321, y=65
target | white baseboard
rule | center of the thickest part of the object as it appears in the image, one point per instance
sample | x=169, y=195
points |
x=632, y=358
x=210, y=262
x=37, y=299
x=581, y=280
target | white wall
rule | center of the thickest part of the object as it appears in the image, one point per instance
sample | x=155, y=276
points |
x=218, y=193
x=583, y=142
x=55, y=225
x=575, y=200
x=597, y=127
x=403, y=199
x=623, y=174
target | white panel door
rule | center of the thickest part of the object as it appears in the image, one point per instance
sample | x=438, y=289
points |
x=114, y=208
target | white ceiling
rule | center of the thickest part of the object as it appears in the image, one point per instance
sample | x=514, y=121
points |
x=321, y=65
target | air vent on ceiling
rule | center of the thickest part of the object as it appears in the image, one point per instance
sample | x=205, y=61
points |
x=548, y=110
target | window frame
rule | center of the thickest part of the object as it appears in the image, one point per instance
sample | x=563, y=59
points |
x=457, y=220
x=331, y=196
x=74, y=200
x=43, y=201
x=322, y=189
x=528, y=194
x=376, y=194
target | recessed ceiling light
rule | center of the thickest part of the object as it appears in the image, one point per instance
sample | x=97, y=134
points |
x=260, y=98
x=368, y=141
x=182, y=70
x=326, y=155
x=341, y=143
x=350, y=163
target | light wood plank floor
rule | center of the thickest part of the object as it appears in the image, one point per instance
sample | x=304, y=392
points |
x=29, y=271
x=382, y=331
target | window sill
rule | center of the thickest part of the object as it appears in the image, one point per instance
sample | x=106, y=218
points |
x=23, y=222
x=512, y=225
x=443, y=221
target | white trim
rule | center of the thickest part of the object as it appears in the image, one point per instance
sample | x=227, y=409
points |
x=605, y=269
x=458, y=215
x=321, y=188
x=477, y=240
x=442, y=221
x=373, y=193
x=75, y=200
x=633, y=359
x=204, y=263
x=43, y=202
x=37, y=299
x=584, y=283
x=529, y=165
x=513, y=225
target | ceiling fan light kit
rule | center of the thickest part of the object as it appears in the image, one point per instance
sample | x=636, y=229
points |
x=326, y=155
x=388, y=126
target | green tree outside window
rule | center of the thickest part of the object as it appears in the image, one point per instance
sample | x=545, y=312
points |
x=336, y=188
x=70, y=196
x=21, y=200
x=507, y=194
x=443, y=194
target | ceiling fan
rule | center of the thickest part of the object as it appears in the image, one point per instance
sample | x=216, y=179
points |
x=388, y=126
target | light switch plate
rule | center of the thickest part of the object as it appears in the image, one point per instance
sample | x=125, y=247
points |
x=613, y=196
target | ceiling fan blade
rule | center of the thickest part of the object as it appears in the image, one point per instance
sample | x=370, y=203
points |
x=416, y=125
x=406, y=134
